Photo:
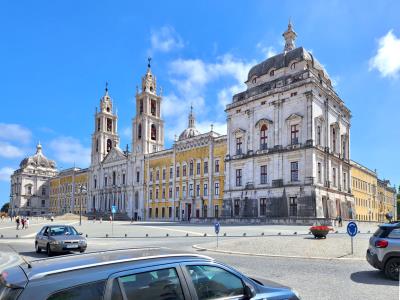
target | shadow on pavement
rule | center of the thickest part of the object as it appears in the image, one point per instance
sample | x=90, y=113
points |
x=372, y=277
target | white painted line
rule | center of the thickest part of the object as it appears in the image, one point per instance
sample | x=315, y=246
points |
x=277, y=255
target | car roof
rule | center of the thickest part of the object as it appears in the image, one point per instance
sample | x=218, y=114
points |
x=391, y=225
x=135, y=257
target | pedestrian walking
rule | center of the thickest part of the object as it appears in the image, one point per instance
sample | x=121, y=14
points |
x=340, y=221
x=110, y=218
x=52, y=218
x=101, y=219
x=23, y=222
x=26, y=223
x=17, y=221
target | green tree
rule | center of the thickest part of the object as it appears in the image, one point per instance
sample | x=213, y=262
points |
x=5, y=207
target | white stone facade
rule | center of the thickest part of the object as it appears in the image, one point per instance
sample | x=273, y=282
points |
x=30, y=185
x=288, y=142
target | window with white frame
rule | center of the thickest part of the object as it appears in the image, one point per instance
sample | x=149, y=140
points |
x=263, y=174
x=205, y=189
x=216, y=188
x=294, y=171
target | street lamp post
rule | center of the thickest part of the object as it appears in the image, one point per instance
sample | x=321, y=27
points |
x=82, y=190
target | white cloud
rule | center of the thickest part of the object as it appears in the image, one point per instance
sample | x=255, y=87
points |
x=165, y=39
x=15, y=132
x=9, y=151
x=387, y=59
x=5, y=173
x=69, y=150
x=268, y=51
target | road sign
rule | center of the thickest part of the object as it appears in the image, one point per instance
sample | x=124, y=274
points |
x=113, y=209
x=352, y=229
x=216, y=227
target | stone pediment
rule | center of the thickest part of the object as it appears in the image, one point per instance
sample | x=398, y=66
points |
x=114, y=155
x=239, y=131
x=263, y=121
x=294, y=117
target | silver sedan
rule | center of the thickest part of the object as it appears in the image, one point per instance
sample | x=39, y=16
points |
x=59, y=238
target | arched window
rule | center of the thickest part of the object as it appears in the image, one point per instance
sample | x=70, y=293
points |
x=139, y=131
x=97, y=145
x=263, y=137
x=136, y=200
x=141, y=106
x=109, y=145
x=153, y=132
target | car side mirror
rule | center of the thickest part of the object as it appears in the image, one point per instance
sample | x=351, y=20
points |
x=80, y=233
x=248, y=292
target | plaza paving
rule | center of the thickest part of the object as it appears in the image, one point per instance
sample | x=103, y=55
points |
x=313, y=278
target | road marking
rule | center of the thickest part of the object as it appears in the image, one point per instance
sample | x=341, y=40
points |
x=176, y=230
x=276, y=255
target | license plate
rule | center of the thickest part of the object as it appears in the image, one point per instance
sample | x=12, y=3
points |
x=72, y=246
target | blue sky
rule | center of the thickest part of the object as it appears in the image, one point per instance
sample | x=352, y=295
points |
x=56, y=56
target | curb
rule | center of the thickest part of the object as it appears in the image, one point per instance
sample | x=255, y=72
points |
x=197, y=247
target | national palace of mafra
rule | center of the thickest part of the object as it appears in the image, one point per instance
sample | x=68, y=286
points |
x=286, y=155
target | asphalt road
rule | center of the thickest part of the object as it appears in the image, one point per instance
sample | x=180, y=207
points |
x=313, y=278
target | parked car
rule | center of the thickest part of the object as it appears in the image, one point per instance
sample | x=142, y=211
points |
x=384, y=249
x=59, y=238
x=133, y=274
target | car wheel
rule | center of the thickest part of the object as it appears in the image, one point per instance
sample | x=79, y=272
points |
x=81, y=251
x=392, y=268
x=48, y=250
x=37, y=248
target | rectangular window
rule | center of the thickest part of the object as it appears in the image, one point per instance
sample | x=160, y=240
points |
x=171, y=173
x=206, y=167
x=137, y=176
x=216, y=188
x=163, y=174
x=184, y=191
x=294, y=134
x=156, y=194
x=319, y=175
x=191, y=190
x=153, y=107
x=151, y=175
x=263, y=206
x=334, y=176
x=177, y=192
x=344, y=181
x=177, y=172
x=163, y=193
x=217, y=166
x=238, y=145
x=43, y=203
x=238, y=177
x=198, y=168
x=43, y=191
x=263, y=175
x=205, y=189
x=191, y=168
x=151, y=194
x=197, y=190
x=114, y=176
x=157, y=175
x=318, y=135
x=236, y=208
x=98, y=124
x=184, y=171
x=170, y=192
x=105, y=181
x=294, y=171
x=95, y=183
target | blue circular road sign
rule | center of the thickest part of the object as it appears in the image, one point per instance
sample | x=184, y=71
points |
x=216, y=227
x=352, y=229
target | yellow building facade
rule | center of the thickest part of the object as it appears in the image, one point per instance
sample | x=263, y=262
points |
x=364, y=188
x=186, y=181
x=68, y=191
x=387, y=200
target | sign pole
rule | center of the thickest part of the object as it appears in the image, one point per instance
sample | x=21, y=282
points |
x=112, y=225
x=352, y=245
x=352, y=230
x=217, y=240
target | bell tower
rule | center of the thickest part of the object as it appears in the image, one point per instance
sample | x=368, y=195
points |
x=148, y=127
x=105, y=135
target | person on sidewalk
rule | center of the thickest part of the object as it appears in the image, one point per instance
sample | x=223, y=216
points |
x=340, y=221
x=17, y=221
x=23, y=222
x=26, y=223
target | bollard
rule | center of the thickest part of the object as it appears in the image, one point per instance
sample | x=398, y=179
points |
x=187, y=234
x=147, y=235
x=337, y=231
x=205, y=234
x=86, y=235
x=309, y=232
x=106, y=235
x=167, y=235
x=244, y=234
x=224, y=233
x=2, y=236
x=279, y=233
x=262, y=233
x=369, y=231
x=295, y=233
x=16, y=236
x=126, y=235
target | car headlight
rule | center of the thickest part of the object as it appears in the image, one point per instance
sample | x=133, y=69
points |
x=297, y=295
x=55, y=242
x=82, y=242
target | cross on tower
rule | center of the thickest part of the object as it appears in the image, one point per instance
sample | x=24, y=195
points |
x=149, y=62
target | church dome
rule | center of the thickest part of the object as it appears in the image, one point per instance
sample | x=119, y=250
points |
x=38, y=160
x=188, y=133
x=191, y=131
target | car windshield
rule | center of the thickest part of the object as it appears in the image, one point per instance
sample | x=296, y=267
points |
x=63, y=230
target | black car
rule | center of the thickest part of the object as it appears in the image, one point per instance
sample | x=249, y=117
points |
x=133, y=274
